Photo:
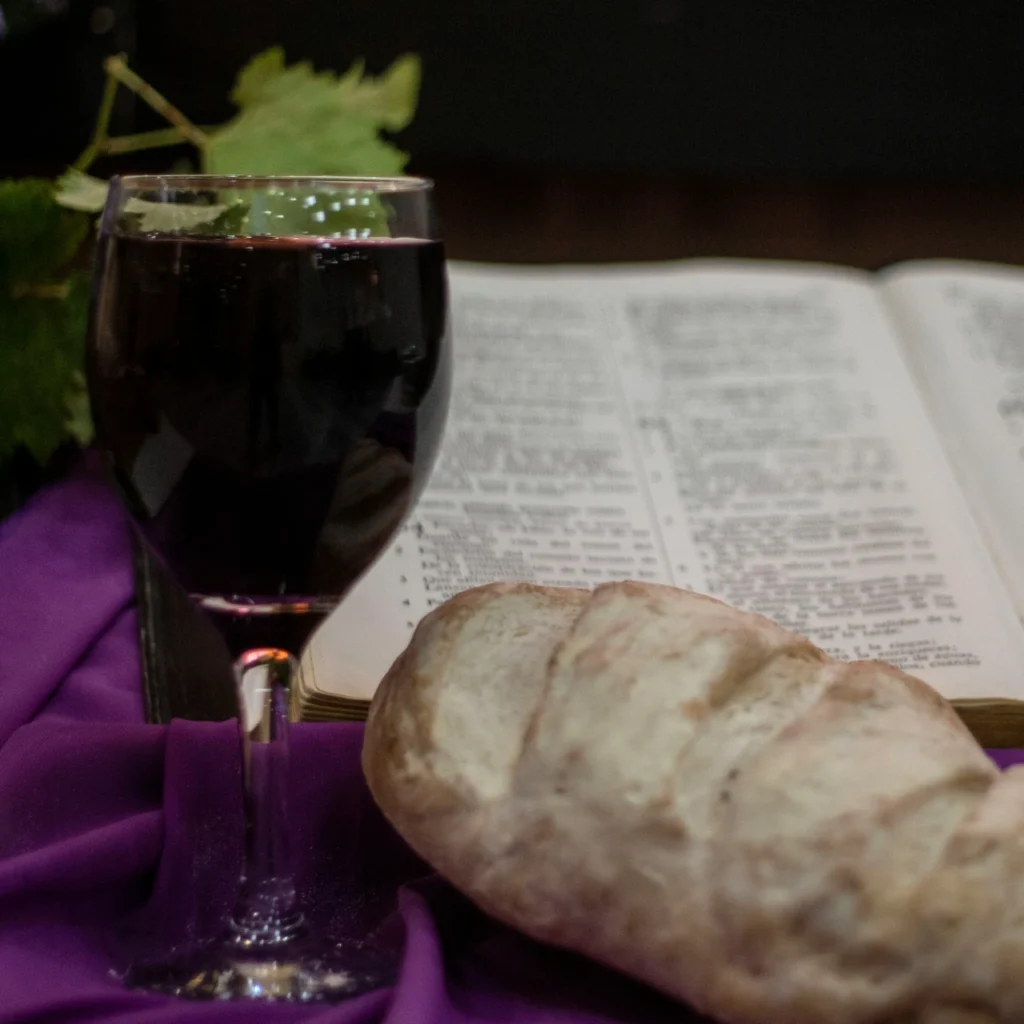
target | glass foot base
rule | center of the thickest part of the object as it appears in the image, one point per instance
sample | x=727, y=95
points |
x=220, y=972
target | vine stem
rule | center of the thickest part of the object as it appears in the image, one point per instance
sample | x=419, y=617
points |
x=99, y=134
x=102, y=143
x=117, y=68
x=143, y=140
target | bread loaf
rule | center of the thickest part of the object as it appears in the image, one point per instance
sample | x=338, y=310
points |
x=701, y=799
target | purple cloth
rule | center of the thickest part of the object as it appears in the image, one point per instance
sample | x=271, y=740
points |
x=112, y=831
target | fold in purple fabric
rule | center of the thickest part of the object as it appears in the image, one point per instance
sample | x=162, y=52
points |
x=115, y=835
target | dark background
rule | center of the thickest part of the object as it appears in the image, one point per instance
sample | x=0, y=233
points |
x=565, y=129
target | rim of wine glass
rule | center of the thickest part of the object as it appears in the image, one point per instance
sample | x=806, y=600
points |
x=395, y=183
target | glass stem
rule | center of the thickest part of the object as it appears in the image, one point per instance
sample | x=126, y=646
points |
x=267, y=914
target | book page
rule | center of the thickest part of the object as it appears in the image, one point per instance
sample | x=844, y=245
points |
x=747, y=431
x=963, y=329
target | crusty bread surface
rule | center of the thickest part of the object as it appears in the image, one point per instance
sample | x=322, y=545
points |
x=704, y=800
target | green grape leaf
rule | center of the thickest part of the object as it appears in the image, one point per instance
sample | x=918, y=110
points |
x=388, y=99
x=140, y=215
x=267, y=77
x=232, y=219
x=294, y=120
x=299, y=137
x=38, y=236
x=41, y=344
x=324, y=212
x=77, y=190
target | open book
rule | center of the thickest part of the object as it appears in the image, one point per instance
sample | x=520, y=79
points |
x=840, y=451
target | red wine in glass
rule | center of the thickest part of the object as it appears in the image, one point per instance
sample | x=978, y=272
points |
x=270, y=404
x=272, y=407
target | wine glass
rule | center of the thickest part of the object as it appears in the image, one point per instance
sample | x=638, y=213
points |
x=259, y=349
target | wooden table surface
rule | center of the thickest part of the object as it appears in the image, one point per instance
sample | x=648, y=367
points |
x=501, y=214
